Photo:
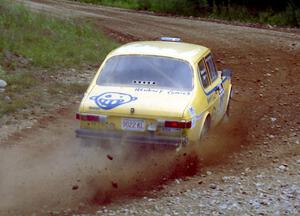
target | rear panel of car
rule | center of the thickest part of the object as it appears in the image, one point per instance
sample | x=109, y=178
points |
x=151, y=126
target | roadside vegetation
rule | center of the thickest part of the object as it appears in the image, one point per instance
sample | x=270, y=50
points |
x=280, y=13
x=36, y=48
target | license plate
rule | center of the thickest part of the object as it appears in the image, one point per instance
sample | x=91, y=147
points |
x=133, y=124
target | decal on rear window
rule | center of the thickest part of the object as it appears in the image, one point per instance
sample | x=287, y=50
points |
x=110, y=100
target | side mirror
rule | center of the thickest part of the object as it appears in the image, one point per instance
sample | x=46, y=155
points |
x=226, y=73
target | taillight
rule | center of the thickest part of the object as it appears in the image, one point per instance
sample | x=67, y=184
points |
x=86, y=117
x=176, y=124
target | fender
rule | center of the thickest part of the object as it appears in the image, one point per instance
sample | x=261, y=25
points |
x=196, y=133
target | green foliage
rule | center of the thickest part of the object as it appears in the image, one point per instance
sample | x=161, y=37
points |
x=281, y=12
x=168, y=6
x=182, y=7
x=47, y=41
x=289, y=17
x=129, y=4
x=232, y=13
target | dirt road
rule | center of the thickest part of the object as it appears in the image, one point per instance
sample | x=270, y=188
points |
x=250, y=165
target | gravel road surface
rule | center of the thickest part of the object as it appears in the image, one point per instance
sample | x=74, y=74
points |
x=250, y=165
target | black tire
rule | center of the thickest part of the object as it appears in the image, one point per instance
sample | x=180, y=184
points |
x=227, y=113
x=205, y=128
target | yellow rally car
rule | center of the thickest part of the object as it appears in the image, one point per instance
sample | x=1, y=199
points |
x=158, y=93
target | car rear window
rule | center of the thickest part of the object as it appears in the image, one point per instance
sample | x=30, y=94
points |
x=149, y=71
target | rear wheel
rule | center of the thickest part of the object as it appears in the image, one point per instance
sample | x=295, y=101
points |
x=227, y=112
x=228, y=108
x=229, y=103
x=205, y=128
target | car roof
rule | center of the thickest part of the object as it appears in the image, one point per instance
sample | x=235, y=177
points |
x=180, y=50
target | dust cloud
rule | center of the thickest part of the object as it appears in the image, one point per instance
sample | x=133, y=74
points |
x=226, y=138
x=51, y=170
x=68, y=175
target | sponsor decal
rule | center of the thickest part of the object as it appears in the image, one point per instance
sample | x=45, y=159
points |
x=222, y=98
x=110, y=100
x=160, y=91
x=221, y=89
x=149, y=90
x=192, y=111
x=193, y=115
x=198, y=117
x=178, y=93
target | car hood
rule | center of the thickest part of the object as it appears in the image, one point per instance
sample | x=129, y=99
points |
x=136, y=102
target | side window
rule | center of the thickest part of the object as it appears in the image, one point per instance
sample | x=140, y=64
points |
x=212, y=68
x=203, y=74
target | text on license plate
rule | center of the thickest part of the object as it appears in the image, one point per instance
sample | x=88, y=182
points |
x=133, y=124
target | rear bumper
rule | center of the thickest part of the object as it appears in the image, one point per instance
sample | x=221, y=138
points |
x=119, y=136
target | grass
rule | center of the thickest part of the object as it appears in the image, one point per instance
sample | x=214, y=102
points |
x=33, y=46
x=47, y=41
x=74, y=88
x=13, y=106
x=13, y=98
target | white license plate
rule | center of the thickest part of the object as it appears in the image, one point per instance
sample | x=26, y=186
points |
x=133, y=124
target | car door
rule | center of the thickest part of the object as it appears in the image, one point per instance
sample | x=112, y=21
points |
x=215, y=90
x=211, y=95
